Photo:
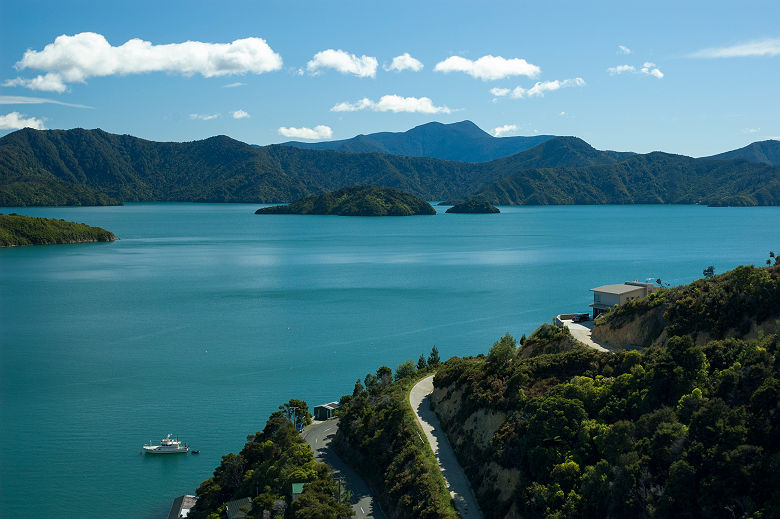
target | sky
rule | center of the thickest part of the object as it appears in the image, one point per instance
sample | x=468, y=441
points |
x=689, y=77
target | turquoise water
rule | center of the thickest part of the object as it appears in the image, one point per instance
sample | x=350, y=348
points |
x=204, y=318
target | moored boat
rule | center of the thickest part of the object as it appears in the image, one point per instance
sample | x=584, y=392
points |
x=167, y=445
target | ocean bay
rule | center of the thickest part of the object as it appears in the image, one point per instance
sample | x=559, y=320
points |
x=205, y=317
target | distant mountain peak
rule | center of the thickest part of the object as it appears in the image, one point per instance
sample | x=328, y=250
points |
x=766, y=152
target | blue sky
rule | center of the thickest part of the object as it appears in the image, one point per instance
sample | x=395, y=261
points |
x=685, y=77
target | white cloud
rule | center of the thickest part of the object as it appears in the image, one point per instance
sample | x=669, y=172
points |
x=751, y=130
x=538, y=89
x=204, y=117
x=622, y=49
x=318, y=132
x=648, y=68
x=767, y=47
x=344, y=62
x=240, y=114
x=503, y=130
x=16, y=121
x=488, y=67
x=74, y=59
x=21, y=100
x=620, y=69
x=49, y=82
x=404, y=62
x=393, y=103
x=234, y=85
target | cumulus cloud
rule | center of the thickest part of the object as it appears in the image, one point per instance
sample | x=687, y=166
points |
x=404, y=62
x=21, y=100
x=622, y=49
x=766, y=47
x=344, y=62
x=47, y=83
x=240, y=114
x=17, y=121
x=318, y=132
x=538, y=89
x=648, y=68
x=393, y=103
x=503, y=130
x=204, y=117
x=488, y=67
x=74, y=59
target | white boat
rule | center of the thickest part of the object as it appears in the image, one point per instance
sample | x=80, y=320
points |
x=167, y=445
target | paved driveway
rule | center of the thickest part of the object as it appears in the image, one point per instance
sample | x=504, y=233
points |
x=457, y=482
x=319, y=436
x=582, y=332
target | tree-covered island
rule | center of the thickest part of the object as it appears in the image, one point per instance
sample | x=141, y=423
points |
x=17, y=229
x=356, y=201
x=473, y=206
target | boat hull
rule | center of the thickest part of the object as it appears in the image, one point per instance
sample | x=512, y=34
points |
x=183, y=450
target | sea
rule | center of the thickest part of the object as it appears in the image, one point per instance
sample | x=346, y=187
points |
x=204, y=318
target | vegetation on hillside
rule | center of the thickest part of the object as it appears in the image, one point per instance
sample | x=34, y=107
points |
x=716, y=306
x=473, y=206
x=677, y=430
x=16, y=229
x=767, y=152
x=379, y=436
x=265, y=469
x=85, y=167
x=357, y=201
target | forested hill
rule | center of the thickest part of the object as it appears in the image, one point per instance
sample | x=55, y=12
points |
x=462, y=141
x=687, y=428
x=655, y=178
x=17, y=230
x=767, y=152
x=93, y=167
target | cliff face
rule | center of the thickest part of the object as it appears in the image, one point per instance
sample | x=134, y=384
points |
x=470, y=435
x=640, y=331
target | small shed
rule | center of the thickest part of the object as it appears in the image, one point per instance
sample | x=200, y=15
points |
x=238, y=508
x=325, y=411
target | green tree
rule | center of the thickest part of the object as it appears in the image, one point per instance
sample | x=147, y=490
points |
x=433, y=358
x=709, y=272
x=404, y=370
x=421, y=364
x=358, y=389
x=502, y=352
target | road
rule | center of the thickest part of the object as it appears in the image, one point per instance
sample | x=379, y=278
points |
x=582, y=332
x=319, y=436
x=457, y=482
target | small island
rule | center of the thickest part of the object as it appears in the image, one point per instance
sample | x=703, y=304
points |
x=473, y=206
x=356, y=201
x=17, y=230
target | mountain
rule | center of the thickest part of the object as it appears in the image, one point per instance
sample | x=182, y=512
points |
x=463, y=141
x=93, y=167
x=767, y=152
x=654, y=178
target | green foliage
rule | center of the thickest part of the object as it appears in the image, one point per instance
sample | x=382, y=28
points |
x=501, y=353
x=356, y=201
x=473, y=206
x=709, y=272
x=16, y=229
x=723, y=305
x=299, y=409
x=378, y=434
x=421, y=363
x=680, y=430
x=433, y=357
x=265, y=469
x=405, y=369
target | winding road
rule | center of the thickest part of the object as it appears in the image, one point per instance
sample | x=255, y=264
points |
x=457, y=482
x=319, y=435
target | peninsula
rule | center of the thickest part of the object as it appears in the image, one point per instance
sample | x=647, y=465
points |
x=16, y=230
x=356, y=201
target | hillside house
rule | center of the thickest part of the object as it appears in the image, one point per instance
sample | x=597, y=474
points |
x=607, y=296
